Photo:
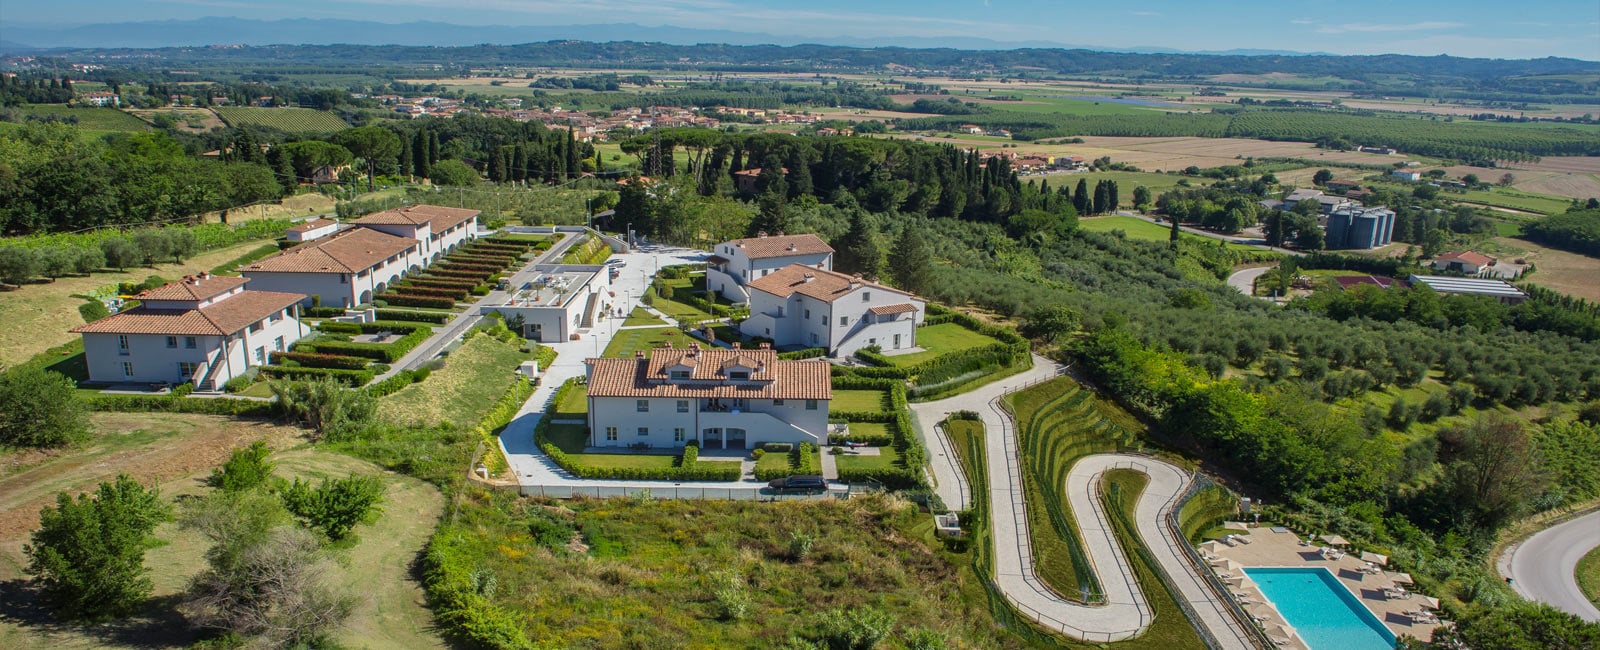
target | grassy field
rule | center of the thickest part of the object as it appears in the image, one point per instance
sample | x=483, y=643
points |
x=393, y=616
x=681, y=311
x=91, y=118
x=642, y=572
x=1569, y=273
x=1589, y=576
x=941, y=339
x=1498, y=197
x=473, y=377
x=859, y=400
x=37, y=316
x=1136, y=228
x=290, y=120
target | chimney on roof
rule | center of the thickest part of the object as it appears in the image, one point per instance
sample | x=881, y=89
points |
x=792, y=248
x=761, y=234
x=667, y=345
x=764, y=346
x=809, y=277
x=638, y=354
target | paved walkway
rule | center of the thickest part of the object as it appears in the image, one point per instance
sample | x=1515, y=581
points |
x=1126, y=613
x=1244, y=281
x=1544, y=566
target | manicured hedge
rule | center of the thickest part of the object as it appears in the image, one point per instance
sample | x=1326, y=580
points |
x=429, y=292
x=385, y=352
x=501, y=414
x=435, y=271
x=322, y=312
x=803, y=460
x=413, y=316
x=417, y=301
x=439, y=283
x=351, y=378
x=321, y=360
x=905, y=439
x=170, y=404
x=808, y=353
x=395, y=382
x=338, y=327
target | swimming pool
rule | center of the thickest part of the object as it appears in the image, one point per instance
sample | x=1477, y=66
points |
x=1325, y=614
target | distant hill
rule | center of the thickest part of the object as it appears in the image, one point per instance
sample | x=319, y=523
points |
x=304, y=31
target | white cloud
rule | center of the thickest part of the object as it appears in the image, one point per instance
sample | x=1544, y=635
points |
x=1302, y=21
x=1429, y=25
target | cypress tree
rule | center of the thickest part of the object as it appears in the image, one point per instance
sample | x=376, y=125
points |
x=911, y=261
x=857, y=250
x=419, y=153
x=1080, y=198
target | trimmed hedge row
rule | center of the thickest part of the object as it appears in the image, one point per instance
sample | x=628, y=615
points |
x=385, y=352
x=439, y=283
x=873, y=439
x=435, y=271
x=802, y=461
x=501, y=414
x=175, y=404
x=413, y=316
x=417, y=301
x=808, y=353
x=337, y=327
x=396, y=381
x=322, y=312
x=351, y=378
x=905, y=441
x=322, y=360
x=692, y=471
x=410, y=290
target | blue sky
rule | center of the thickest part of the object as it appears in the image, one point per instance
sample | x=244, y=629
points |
x=1483, y=28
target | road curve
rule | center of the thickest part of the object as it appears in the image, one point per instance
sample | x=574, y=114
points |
x=1126, y=612
x=1244, y=281
x=1544, y=566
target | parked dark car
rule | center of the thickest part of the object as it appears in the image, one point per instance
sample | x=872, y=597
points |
x=802, y=483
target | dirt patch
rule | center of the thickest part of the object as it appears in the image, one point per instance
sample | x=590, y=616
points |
x=37, y=316
x=1569, y=273
x=150, y=447
x=1578, y=164
x=1572, y=186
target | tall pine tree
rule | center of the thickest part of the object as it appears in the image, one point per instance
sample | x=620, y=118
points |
x=856, y=251
x=1081, y=199
x=911, y=260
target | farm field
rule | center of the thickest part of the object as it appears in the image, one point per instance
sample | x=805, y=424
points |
x=91, y=118
x=37, y=316
x=191, y=120
x=1572, y=177
x=176, y=452
x=291, y=120
x=1569, y=273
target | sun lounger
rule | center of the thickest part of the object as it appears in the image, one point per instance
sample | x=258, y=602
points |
x=1243, y=539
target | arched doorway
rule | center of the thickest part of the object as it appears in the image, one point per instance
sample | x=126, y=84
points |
x=366, y=297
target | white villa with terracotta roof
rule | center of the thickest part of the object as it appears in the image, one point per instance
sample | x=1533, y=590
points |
x=717, y=398
x=349, y=267
x=203, y=330
x=801, y=306
x=733, y=264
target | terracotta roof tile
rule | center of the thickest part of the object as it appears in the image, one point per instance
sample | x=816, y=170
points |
x=438, y=218
x=823, y=285
x=351, y=251
x=780, y=246
x=194, y=288
x=225, y=317
x=649, y=377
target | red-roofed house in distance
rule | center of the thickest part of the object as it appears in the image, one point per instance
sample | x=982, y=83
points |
x=1468, y=262
x=203, y=329
x=733, y=264
x=718, y=398
x=801, y=306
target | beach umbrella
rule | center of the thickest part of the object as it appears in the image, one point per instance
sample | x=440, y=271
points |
x=1212, y=546
x=1238, y=581
x=1375, y=558
x=1226, y=564
x=1279, y=630
x=1335, y=540
x=1430, y=602
x=1401, y=578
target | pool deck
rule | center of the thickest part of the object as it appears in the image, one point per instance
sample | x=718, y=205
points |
x=1274, y=549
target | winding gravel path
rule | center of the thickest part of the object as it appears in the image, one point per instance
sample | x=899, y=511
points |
x=1126, y=612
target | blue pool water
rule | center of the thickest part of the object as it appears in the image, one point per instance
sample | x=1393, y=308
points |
x=1325, y=614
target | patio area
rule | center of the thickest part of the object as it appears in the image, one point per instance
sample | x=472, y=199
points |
x=1386, y=594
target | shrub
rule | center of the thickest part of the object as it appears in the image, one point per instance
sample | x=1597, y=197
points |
x=777, y=447
x=321, y=360
x=351, y=378
x=336, y=506
x=339, y=328
x=413, y=316
x=323, y=312
x=88, y=553
x=39, y=408
x=325, y=406
x=808, y=353
x=393, y=383
x=93, y=310
x=237, y=384
x=170, y=404
x=758, y=453
x=246, y=468
x=430, y=302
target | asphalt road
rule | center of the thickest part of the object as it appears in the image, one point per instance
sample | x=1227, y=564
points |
x=1544, y=566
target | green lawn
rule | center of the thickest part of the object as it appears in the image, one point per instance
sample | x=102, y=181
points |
x=772, y=461
x=641, y=317
x=575, y=405
x=681, y=311
x=939, y=340
x=643, y=461
x=1589, y=576
x=625, y=342
x=887, y=458
x=570, y=438
x=860, y=400
x=473, y=377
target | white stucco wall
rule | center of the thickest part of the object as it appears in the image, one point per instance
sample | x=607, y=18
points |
x=761, y=419
x=810, y=322
x=154, y=362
